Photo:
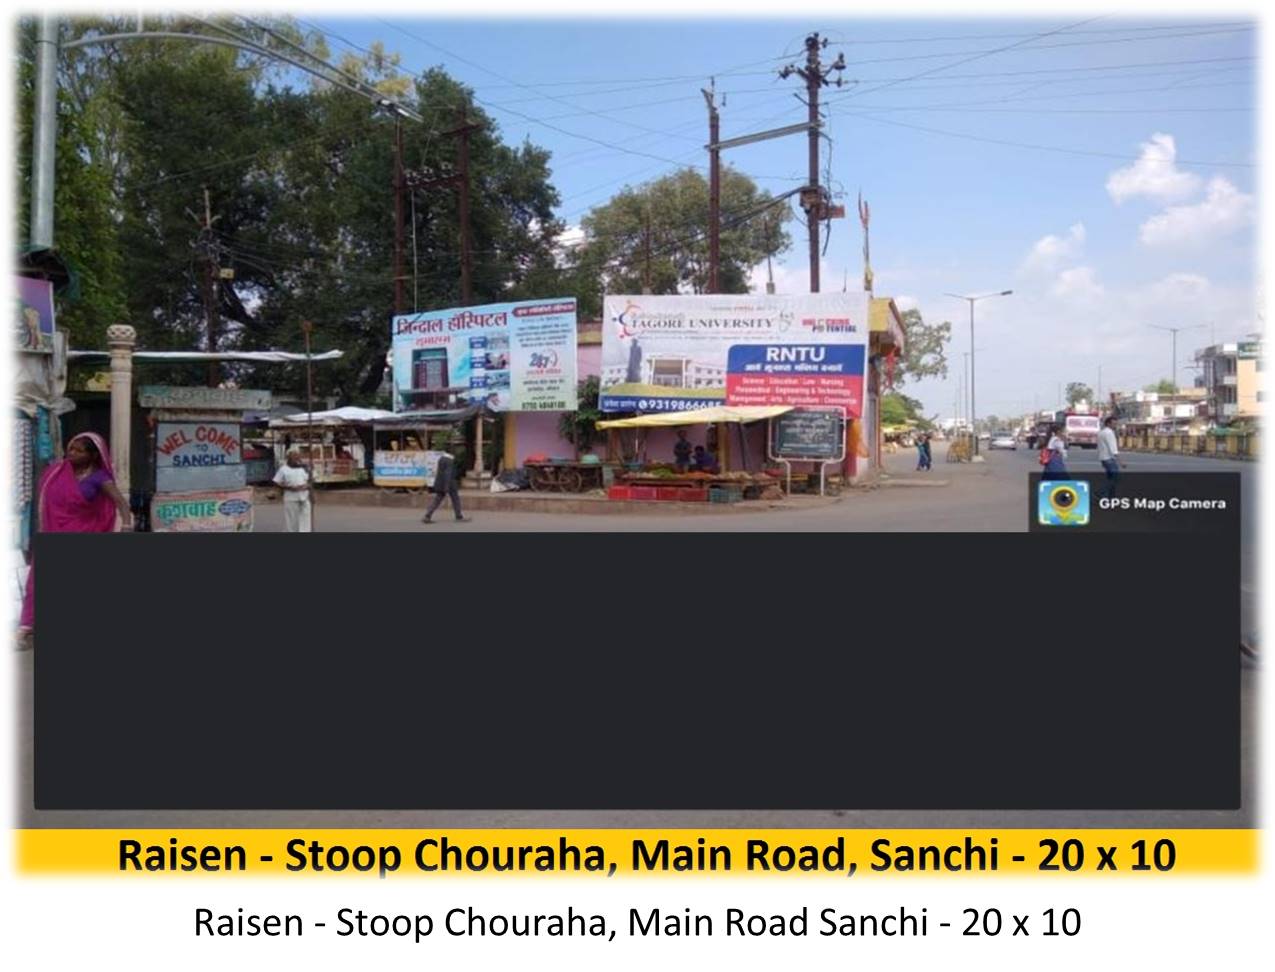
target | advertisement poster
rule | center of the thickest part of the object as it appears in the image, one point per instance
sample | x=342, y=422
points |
x=206, y=512
x=674, y=353
x=518, y=357
x=34, y=315
x=404, y=468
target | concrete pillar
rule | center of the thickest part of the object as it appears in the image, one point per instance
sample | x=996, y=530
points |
x=120, y=339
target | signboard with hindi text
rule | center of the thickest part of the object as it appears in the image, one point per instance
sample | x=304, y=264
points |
x=220, y=511
x=515, y=357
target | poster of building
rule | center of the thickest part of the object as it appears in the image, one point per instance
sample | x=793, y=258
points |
x=679, y=352
x=517, y=357
x=33, y=310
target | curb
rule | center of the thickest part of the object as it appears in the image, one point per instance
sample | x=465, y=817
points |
x=519, y=502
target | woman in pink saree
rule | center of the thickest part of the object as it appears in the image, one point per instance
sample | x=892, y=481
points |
x=77, y=494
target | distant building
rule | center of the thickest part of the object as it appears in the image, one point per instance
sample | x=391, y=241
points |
x=1158, y=413
x=1231, y=377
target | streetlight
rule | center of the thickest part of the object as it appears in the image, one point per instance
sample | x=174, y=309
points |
x=972, y=300
x=1174, y=332
x=966, y=356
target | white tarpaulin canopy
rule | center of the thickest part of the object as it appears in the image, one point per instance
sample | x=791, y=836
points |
x=348, y=415
x=258, y=357
x=699, y=416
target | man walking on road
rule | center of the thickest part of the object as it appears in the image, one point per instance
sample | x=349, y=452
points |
x=445, y=484
x=1109, y=454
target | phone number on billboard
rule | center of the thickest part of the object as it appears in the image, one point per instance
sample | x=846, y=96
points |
x=668, y=404
x=544, y=406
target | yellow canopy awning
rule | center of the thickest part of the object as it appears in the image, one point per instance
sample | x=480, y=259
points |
x=699, y=416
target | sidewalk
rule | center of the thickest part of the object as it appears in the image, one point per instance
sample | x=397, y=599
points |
x=527, y=501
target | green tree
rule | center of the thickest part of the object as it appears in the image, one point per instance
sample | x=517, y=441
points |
x=899, y=409
x=925, y=349
x=1077, y=392
x=579, y=427
x=1162, y=387
x=654, y=237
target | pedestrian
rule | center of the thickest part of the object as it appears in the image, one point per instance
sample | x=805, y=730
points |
x=925, y=451
x=445, y=484
x=77, y=494
x=294, y=479
x=682, y=451
x=1109, y=454
x=1054, y=456
x=920, y=451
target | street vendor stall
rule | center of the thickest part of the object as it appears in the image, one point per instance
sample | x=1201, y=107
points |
x=645, y=480
x=330, y=442
x=402, y=454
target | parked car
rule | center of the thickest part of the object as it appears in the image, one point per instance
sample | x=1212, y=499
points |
x=1003, y=440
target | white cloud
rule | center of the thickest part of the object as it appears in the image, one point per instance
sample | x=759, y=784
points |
x=1155, y=174
x=1077, y=283
x=1050, y=252
x=1223, y=210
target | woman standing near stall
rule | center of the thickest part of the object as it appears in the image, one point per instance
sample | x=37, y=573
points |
x=77, y=494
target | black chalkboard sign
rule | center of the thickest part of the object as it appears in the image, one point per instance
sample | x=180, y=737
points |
x=809, y=435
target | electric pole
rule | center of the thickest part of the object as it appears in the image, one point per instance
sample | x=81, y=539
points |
x=812, y=197
x=208, y=252
x=400, y=187
x=459, y=181
x=714, y=190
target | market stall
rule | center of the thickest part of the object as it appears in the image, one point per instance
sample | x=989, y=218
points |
x=642, y=479
x=406, y=445
x=331, y=442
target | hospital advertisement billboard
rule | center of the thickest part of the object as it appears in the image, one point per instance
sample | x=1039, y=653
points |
x=680, y=352
x=514, y=357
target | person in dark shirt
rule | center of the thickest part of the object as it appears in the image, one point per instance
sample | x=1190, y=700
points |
x=705, y=462
x=682, y=451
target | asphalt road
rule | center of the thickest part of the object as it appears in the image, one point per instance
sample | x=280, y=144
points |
x=973, y=498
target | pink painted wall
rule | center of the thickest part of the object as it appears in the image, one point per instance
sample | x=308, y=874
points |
x=537, y=432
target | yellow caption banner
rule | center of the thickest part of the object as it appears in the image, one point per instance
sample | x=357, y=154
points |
x=667, y=853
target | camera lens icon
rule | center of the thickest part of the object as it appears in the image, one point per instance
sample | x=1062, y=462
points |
x=1063, y=503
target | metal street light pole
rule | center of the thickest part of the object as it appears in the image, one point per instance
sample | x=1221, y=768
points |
x=972, y=300
x=1174, y=332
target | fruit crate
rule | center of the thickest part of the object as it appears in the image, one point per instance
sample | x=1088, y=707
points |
x=697, y=495
x=725, y=494
x=620, y=492
x=644, y=492
x=672, y=494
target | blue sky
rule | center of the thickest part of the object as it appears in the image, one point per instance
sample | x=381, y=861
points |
x=1123, y=230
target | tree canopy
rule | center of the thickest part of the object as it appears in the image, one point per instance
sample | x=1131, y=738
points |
x=654, y=238
x=299, y=182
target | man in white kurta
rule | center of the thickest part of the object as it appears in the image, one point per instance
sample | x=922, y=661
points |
x=295, y=482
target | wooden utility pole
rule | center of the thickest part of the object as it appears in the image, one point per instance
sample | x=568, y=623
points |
x=207, y=250
x=466, y=251
x=812, y=198
x=714, y=192
x=400, y=189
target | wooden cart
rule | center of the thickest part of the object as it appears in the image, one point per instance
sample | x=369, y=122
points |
x=564, y=476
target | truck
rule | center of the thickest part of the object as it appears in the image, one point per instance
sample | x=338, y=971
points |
x=1081, y=429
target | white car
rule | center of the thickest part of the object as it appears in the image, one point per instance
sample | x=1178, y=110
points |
x=1003, y=440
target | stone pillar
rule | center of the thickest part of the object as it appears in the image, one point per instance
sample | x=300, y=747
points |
x=121, y=338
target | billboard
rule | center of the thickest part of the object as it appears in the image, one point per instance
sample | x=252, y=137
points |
x=33, y=311
x=203, y=512
x=679, y=352
x=516, y=357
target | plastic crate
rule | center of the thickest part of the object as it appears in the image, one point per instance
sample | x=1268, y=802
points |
x=669, y=493
x=725, y=494
x=643, y=492
x=696, y=495
x=620, y=493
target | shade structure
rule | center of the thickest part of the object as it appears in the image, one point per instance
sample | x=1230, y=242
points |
x=698, y=416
